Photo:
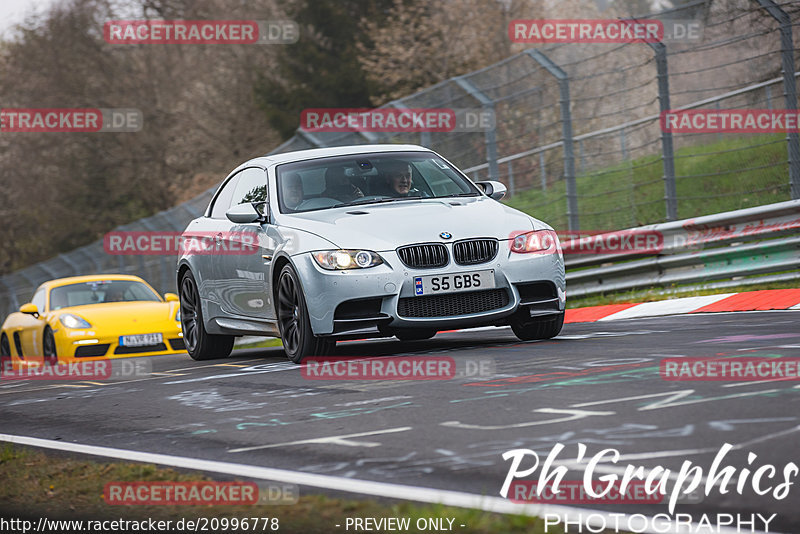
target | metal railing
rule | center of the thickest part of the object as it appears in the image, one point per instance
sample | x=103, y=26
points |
x=741, y=246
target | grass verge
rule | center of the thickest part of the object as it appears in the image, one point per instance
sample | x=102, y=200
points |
x=40, y=485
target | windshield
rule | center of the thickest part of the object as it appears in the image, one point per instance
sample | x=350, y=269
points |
x=366, y=179
x=99, y=292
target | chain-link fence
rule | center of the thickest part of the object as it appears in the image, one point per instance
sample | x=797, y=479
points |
x=577, y=136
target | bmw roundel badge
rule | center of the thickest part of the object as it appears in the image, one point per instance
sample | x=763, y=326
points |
x=445, y=235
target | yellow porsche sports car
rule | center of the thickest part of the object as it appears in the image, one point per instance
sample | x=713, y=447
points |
x=91, y=317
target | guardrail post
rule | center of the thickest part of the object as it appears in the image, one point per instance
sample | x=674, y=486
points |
x=566, y=126
x=789, y=90
x=490, y=137
x=667, y=148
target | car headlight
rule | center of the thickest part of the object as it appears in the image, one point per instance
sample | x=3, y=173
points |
x=543, y=241
x=178, y=315
x=73, y=321
x=346, y=259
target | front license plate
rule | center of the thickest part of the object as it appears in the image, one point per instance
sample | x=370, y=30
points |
x=452, y=283
x=140, y=340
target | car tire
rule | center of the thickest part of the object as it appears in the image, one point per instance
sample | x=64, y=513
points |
x=414, y=335
x=538, y=329
x=49, y=346
x=294, y=324
x=5, y=347
x=199, y=344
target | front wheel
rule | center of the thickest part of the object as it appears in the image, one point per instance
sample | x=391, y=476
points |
x=5, y=347
x=199, y=344
x=531, y=329
x=298, y=339
x=49, y=347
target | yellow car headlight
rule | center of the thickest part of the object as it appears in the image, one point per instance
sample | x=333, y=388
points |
x=73, y=321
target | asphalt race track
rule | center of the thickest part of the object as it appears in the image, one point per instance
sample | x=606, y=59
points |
x=596, y=384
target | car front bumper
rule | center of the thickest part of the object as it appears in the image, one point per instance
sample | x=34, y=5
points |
x=383, y=296
x=91, y=344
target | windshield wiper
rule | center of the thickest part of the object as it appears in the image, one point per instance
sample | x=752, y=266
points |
x=460, y=195
x=379, y=200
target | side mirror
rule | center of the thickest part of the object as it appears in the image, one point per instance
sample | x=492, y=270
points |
x=30, y=309
x=248, y=213
x=495, y=190
x=171, y=297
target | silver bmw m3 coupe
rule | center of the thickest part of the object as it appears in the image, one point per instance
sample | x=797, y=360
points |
x=363, y=241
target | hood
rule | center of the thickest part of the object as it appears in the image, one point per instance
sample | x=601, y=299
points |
x=382, y=227
x=126, y=317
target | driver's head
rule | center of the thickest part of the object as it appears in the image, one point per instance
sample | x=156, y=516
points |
x=398, y=176
x=114, y=293
x=292, y=190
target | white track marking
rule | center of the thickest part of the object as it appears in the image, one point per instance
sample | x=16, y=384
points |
x=666, y=307
x=335, y=440
x=593, y=518
x=573, y=415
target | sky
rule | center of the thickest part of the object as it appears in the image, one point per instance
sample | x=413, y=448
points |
x=13, y=11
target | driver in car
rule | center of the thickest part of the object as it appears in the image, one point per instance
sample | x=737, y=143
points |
x=292, y=190
x=115, y=293
x=398, y=178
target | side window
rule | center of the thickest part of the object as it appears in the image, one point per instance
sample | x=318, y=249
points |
x=38, y=300
x=252, y=187
x=223, y=200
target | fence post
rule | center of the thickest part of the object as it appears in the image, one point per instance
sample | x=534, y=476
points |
x=542, y=171
x=667, y=148
x=490, y=137
x=511, y=185
x=623, y=144
x=789, y=90
x=424, y=135
x=566, y=126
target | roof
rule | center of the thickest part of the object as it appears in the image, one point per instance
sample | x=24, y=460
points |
x=89, y=278
x=313, y=153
